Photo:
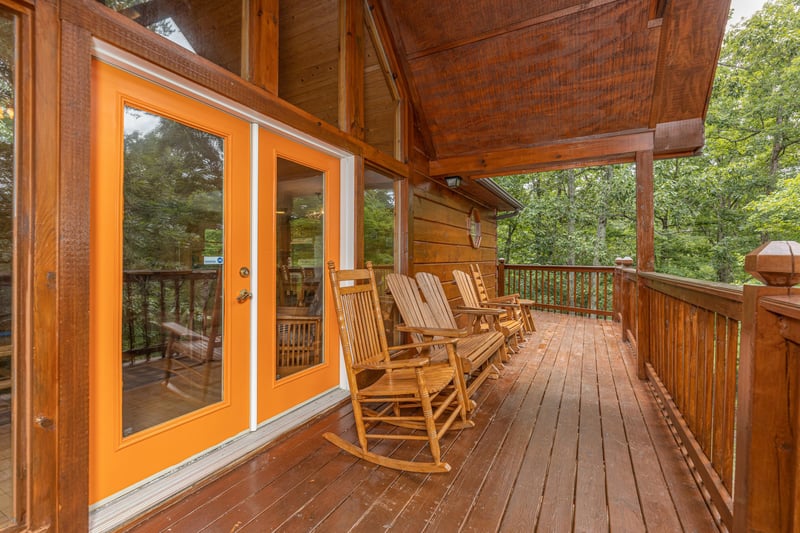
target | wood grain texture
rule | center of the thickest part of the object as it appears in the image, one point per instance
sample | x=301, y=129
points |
x=572, y=389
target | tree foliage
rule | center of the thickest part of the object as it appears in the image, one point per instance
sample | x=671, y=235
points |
x=710, y=210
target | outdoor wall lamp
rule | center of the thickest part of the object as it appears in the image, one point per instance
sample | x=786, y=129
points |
x=453, y=181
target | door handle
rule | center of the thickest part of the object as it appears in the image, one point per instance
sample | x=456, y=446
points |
x=244, y=295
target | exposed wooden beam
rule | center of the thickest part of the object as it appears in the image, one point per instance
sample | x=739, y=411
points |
x=680, y=136
x=582, y=152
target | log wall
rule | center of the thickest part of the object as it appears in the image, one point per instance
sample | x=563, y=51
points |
x=439, y=232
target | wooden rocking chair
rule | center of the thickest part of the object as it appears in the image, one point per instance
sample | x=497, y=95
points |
x=192, y=355
x=407, y=393
x=525, y=305
x=480, y=352
x=510, y=322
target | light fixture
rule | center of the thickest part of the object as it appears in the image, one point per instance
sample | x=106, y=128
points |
x=453, y=181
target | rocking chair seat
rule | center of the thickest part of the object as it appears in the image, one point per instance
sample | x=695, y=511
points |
x=404, y=382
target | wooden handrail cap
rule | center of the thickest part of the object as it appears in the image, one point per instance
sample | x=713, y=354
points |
x=775, y=263
x=627, y=260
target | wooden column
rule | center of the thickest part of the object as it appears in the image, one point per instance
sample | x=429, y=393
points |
x=500, y=289
x=351, y=67
x=768, y=411
x=263, y=45
x=645, y=252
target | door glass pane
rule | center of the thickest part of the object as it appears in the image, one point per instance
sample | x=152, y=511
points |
x=379, y=231
x=212, y=30
x=300, y=254
x=7, y=185
x=172, y=270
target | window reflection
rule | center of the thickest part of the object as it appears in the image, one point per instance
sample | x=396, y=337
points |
x=209, y=29
x=172, y=270
x=379, y=234
x=300, y=254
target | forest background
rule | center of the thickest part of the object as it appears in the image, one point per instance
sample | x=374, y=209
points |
x=710, y=210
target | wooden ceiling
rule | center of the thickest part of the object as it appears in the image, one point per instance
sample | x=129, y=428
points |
x=501, y=87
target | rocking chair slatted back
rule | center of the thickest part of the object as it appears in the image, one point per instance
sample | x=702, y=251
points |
x=431, y=287
x=358, y=310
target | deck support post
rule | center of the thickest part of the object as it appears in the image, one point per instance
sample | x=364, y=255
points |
x=768, y=407
x=645, y=253
x=501, y=277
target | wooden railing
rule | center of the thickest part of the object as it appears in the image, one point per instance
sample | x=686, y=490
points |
x=626, y=296
x=586, y=290
x=693, y=339
x=724, y=362
x=150, y=298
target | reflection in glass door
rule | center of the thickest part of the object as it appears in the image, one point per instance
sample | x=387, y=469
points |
x=8, y=55
x=172, y=253
x=379, y=241
x=300, y=239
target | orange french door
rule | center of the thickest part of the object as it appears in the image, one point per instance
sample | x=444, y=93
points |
x=170, y=251
x=298, y=233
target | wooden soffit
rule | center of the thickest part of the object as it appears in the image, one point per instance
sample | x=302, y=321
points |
x=497, y=86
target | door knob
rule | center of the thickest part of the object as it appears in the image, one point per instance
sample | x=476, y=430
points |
x=244, y=295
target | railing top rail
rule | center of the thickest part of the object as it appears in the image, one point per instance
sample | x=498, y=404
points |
x=199, y=273
x=567, y=268
x=720, y=298
x=788, y=306
x=722, y=290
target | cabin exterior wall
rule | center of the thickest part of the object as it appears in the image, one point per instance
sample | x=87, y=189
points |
x=58, y=39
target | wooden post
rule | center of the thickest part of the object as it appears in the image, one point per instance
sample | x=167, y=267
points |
x=645, y=253
x=616, y=296
x=262, y=48
x=501, y=277
x=351, y=70
x=768, y=405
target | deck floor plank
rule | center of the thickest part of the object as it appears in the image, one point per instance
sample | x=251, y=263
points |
x=463, y=495
x=691, y=510
x=624, y=508
x=489, y=507
x=522, y=509
x=566, y=439
x=657, y=506
x=559, y=491
x=591, y=513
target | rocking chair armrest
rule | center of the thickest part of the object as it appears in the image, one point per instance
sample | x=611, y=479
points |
x=179, y=330
x=426, y=344
x=480, y=310
x=511, y=305
x=434, y=332
x=504, y=297
x=395, y=365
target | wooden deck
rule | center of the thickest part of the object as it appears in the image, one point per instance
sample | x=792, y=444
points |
x=567, y=439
